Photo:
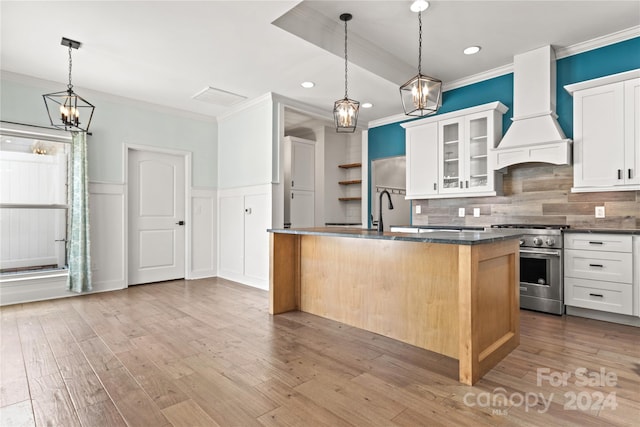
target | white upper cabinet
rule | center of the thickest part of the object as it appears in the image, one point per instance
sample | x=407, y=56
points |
x=447, y=155
x=422, y=161
x=606, y=132
x=632, y=131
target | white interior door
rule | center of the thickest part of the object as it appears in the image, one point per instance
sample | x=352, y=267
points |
x=156, y=217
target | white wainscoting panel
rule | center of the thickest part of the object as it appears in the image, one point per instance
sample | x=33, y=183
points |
x=203, y=233
x=108, y=252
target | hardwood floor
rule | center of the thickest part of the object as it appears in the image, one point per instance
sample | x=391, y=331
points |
x=207, y=353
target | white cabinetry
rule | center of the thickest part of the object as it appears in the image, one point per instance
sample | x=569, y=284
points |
x=244, y=216
x=447, y=155
x=299, y=181
x=636, y=278
x=606, y=127
x=598, y=270
x=422, y=161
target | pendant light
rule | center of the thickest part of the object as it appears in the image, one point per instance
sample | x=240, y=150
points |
x=422, y=95
x=75, y=112
x=345, y=111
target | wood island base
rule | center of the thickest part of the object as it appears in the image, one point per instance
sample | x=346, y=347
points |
x=459, y=300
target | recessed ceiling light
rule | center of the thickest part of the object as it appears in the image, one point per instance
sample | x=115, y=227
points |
x=307, y=85
x=471, y=50
x=419, y=6
x=367, y=105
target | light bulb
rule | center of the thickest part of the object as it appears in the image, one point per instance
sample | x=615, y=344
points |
x=419, y=6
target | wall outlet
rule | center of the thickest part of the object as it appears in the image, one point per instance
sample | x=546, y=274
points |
x=476, y=212
x=461, y=212
x=418, y=209
x=599, y=211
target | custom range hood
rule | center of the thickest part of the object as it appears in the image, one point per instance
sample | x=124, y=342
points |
x=534, y=135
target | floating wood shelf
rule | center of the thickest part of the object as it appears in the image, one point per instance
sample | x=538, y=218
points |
x=350, y=165
x=351, y=181
x=346, y=199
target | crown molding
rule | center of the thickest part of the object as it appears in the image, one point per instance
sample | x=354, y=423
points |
x=396, y=118
x=565, y=52
x=476, y=78
x=316, y=112
x=598, y=42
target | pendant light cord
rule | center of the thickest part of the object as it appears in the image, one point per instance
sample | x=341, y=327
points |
x=345, y=59
x=70, y=86
x=419, y=43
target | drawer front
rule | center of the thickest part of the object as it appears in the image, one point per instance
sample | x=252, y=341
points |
x=604, y=296
x=598, y=242
x=598, y=265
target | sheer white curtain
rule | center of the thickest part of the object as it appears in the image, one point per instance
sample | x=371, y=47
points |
x=78, y=241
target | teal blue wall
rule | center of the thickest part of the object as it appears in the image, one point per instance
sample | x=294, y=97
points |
x=388, y=140
x=613, y=59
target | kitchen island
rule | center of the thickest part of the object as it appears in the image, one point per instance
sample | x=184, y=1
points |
x=454, y=293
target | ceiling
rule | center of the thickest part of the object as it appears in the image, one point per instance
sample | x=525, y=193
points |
x=165, y=52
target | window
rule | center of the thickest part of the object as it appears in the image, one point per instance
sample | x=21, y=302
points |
x=33, y=201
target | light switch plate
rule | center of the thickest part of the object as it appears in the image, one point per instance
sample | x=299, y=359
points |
x=418, y=209
x=476, y=212
x=600, y=212
x=460, y=212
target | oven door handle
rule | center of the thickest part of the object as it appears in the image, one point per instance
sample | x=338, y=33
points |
x=528, y=251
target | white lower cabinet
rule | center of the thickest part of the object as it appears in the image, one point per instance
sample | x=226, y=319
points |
x=599, y=295
x=243, y=239
x=301, y=208
x=599, y=272
x=636, y=275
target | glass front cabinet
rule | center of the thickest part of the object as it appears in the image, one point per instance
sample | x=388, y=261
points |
x=463, y=141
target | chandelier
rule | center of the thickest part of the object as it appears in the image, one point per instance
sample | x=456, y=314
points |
x=66, y=109
x=345, y=111
x=421, y=95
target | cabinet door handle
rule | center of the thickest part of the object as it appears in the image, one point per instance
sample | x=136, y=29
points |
x=292, y=183
x=292, y=195
x=435, y=186
x=596, y=265
x=619, y=173
x=597, y=295
x=629, y=174
x=461, y=185
x=467, y=183
x=596, y=243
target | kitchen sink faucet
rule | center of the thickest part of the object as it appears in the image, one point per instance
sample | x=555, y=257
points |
x=380, y=224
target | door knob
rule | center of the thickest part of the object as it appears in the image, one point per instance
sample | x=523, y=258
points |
x=180, y=223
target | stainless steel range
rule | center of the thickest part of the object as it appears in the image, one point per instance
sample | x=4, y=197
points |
x=541, y=267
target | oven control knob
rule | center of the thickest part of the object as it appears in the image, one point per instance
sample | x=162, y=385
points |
x=521, y=242
x=550, y=241
x=537, y=241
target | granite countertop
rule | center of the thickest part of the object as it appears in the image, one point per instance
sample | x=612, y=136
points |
x=444, y=227
x=604, y=231
x=447, y=237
